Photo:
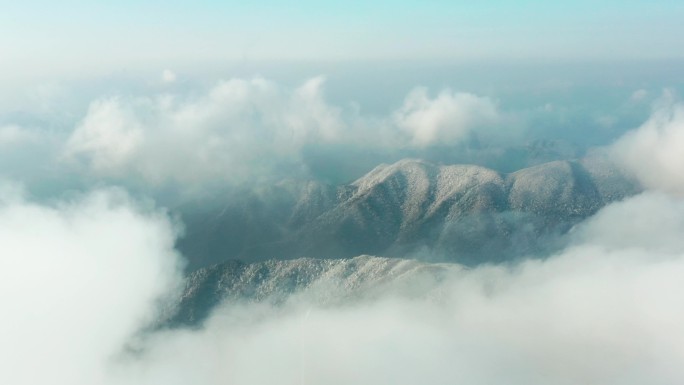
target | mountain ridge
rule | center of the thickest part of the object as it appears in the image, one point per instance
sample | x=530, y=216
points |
x=314, y=280
x=464, y=213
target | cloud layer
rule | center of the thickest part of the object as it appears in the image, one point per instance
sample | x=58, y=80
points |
x=605, y=311
x=446, y=119
x=77, y=280
x=654, y=153
x=81, y=279
x=238, y=127
x=193, y=135
x=242, y=128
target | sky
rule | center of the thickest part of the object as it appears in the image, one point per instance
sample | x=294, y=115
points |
x=115, y=114
x=80, y=37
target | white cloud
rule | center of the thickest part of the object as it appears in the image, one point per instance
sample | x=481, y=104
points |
x=168, y=76
x=77, y=281
x=637, y=223
x=240, y=128
x=446, y=119
x=111, y=132
x=606, y=310
x=654, y=153
x=235, y=131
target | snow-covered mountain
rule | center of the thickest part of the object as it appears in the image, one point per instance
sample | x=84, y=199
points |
x=461, y=213
x=425, y=216
x=319, y=281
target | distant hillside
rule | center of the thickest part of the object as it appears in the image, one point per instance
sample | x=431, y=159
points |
x=320, y=281
x=461, y=213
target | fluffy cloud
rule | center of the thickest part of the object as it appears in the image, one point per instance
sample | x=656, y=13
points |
x=236, y=131
x=245, y=129
x=446, y=119
x=168, y=76
x=77, y=280
x=80, y=279
x=654, y=153
x=606, y=310
x=111, y=132
x=240, y=128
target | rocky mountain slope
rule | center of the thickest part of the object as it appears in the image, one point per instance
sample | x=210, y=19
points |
x=461, y=213
x=319, y=281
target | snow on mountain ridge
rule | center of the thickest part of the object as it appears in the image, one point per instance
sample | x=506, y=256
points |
x=323, y=281
x=464, y=213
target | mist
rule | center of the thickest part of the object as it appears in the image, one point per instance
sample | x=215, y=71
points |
x=83, y=280
x=236, y=127
x=523, y=166
x=86, y=277
x=405, y=192
x=80, y=278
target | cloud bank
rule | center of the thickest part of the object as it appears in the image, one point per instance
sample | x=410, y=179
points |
x=446, y=119
x=240, y=128
x=82, y=279
x=606, y=310
x=654, y=153
x=78, y=279
x=190, y=135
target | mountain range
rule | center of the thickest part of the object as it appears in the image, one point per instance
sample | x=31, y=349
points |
x=421, y=220
x=323, y=282
x=457, y=213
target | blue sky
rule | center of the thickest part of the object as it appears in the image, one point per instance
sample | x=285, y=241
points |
x=81, y=36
